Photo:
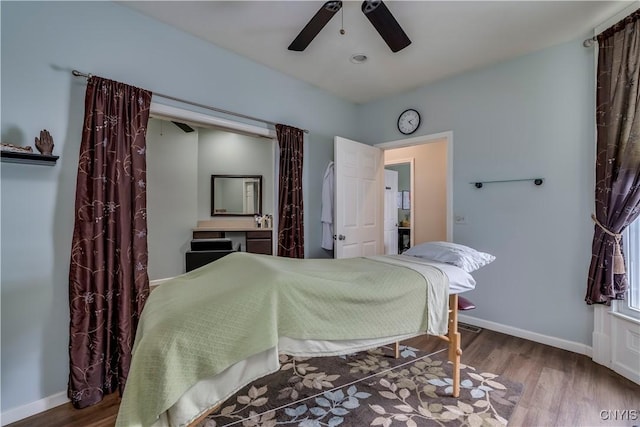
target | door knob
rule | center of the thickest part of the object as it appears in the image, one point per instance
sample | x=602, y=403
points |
x=341, y=237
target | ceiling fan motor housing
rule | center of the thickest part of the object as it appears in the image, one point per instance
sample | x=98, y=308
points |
x=333, y=6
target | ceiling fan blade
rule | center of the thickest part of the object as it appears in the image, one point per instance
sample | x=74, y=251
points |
x=185, y=127
x=383, y=21
x=313, y=27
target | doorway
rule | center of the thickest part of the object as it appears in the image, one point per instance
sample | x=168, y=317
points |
x=430, y=213
x=398, y=207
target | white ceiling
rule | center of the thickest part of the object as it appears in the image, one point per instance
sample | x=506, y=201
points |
x=448, y=37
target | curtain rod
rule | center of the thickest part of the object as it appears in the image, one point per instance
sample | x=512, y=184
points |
x=590, y=41
x=173, y=98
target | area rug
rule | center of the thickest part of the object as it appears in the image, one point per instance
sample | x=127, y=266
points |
x=370, y=388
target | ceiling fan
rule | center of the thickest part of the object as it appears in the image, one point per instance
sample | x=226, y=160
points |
x=375, y=10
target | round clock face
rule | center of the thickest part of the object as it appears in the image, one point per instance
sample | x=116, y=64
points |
x=408, y=121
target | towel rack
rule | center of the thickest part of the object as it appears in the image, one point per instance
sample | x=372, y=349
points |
x=536, y=181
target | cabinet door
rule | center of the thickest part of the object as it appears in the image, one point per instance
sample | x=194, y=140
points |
x=259, y=246
x=259, y=242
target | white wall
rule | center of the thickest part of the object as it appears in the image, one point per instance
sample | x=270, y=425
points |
x=41, y=42
x=528, y=117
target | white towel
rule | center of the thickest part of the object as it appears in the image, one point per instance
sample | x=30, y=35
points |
x=327, y=207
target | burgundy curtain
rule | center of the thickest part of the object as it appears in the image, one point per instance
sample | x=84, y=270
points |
x=291, y=212
x=618, y=157
x=108, y=282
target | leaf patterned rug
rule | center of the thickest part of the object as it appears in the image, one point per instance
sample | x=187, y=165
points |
x=370, y=388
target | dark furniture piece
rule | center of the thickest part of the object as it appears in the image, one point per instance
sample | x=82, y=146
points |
x=404, y=239
x=204, y=251
x=259, y=241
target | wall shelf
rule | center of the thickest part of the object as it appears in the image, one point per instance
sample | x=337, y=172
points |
x=28, y=158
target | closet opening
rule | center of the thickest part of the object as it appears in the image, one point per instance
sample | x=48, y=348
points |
x=184, y=149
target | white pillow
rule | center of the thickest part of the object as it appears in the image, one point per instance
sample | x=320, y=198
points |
x=459, y=280
x=461, y=256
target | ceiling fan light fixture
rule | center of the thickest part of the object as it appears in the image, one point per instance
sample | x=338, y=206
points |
x=358, y=58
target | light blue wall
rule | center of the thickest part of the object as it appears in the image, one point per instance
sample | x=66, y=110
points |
x=532, y=116
x=40, y=43
x=528, y=117
x=172, y=196
x=221, y=152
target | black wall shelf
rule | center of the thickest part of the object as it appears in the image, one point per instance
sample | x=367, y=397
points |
x=28, y=158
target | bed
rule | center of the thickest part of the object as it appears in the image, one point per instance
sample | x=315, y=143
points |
x=188, y=358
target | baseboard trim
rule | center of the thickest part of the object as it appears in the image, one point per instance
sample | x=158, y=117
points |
x=532, y=336
x=25, y=411
x=626, y=372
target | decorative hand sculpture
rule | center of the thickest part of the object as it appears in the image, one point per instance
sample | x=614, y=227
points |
x=44, y=144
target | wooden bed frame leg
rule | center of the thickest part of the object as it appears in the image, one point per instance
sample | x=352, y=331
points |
x=455, y=350
x=396, y=352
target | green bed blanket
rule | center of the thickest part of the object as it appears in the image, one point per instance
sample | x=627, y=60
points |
x=198, y=324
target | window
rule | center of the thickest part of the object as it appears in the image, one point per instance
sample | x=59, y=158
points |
x=631, y=306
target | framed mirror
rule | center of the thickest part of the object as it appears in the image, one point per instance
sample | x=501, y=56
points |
x=236, y=195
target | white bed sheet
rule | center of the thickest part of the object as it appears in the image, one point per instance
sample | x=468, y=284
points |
x=459, y=280
x=197, y=400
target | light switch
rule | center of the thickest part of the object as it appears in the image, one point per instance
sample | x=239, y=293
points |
x=460, y=219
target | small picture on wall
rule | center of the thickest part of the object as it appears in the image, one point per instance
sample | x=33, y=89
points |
x=399, y=200
x=406, y=200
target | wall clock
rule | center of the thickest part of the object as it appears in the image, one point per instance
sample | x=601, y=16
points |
x=408, y=121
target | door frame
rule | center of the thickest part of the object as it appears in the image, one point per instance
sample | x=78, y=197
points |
x=428, y=139
x=395, y=209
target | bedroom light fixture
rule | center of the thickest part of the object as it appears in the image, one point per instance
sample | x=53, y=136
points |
x=358, y=58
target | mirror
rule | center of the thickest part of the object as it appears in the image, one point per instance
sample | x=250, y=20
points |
x=236, y=195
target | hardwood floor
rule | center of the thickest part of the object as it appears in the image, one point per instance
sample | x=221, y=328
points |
x=560, y=388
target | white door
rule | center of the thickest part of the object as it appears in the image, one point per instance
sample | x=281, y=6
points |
x=390, y=212
x=359, y=208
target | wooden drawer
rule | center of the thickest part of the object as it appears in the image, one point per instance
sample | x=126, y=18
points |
x=262, y=234
x=259, y=246
x=208, y=234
